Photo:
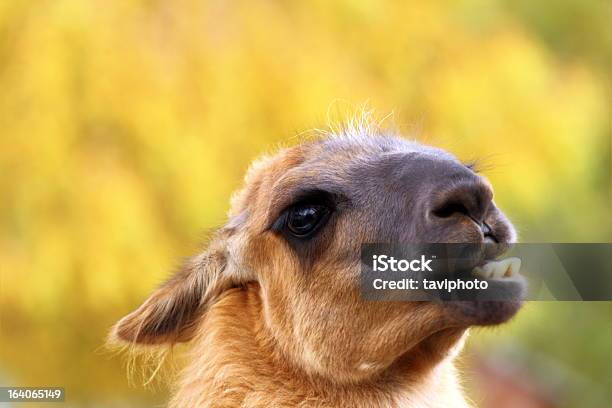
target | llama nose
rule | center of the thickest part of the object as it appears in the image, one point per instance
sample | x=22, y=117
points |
x=468, y=198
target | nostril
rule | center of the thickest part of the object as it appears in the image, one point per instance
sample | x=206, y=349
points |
x=451, y=208
x=468, y=198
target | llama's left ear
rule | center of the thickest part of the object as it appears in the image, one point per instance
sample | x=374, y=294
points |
x=172, y=311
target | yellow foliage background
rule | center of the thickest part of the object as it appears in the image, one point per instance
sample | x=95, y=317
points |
x=126, y=124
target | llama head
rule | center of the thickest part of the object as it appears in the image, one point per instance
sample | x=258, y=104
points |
x=296, y=229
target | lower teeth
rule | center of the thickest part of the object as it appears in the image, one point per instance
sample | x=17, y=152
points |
x=503, y=269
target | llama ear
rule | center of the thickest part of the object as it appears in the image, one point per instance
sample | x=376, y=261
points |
x=171, y=313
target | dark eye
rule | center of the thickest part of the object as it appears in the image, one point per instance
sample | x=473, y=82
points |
x=304, y=219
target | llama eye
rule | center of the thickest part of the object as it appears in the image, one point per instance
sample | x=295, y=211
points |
x=304, y=219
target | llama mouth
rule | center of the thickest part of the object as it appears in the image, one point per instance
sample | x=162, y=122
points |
x=504, y=281
x=502, y=299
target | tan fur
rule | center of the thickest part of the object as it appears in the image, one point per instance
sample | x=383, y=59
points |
x=236, y=362
x=270, y=330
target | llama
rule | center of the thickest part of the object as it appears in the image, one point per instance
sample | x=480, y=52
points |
x=272, y=309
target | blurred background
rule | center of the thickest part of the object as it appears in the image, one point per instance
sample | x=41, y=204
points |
x=126, y=124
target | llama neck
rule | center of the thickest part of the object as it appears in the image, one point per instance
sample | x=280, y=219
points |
x=235, y=362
